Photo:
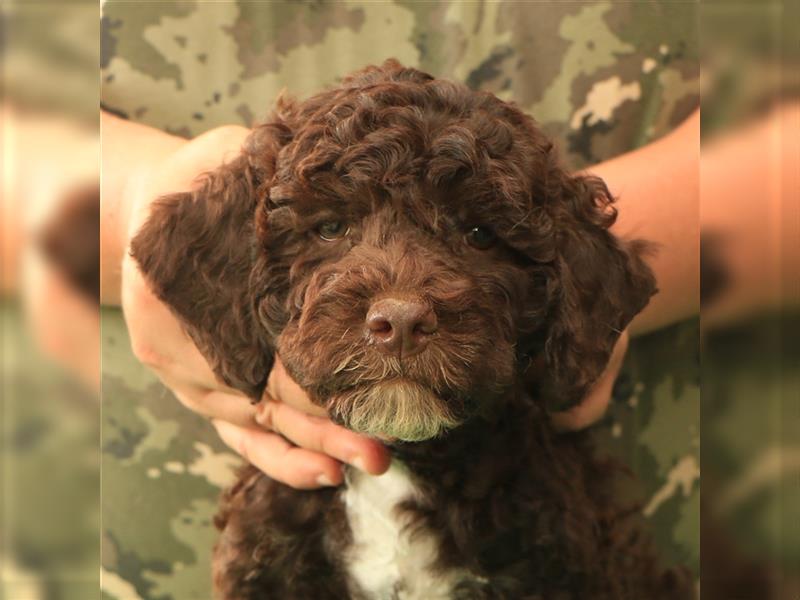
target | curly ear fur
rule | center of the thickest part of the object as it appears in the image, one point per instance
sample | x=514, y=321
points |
x=197, y=251
x=602, y=284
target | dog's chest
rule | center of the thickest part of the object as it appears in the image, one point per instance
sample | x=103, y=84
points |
x=386, y=561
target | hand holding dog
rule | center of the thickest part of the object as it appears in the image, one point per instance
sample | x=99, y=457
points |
x=285, y=435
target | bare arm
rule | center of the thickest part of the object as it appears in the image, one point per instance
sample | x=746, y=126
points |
x=133, y=155
x=751, y=196
x=748, y=181
x=658, y=191
x=46, y=159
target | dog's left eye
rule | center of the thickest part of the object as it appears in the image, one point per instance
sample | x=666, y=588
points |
x=332, y=230
x=481, y=238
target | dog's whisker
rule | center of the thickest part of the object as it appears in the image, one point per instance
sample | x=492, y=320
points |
x=343, y=365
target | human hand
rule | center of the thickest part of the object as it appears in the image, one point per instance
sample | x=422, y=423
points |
x=51, y=163
x=285, y=435
x=594, y=405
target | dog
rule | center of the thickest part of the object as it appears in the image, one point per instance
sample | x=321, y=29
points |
x=430, y=273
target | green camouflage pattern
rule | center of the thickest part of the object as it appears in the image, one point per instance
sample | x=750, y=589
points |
x=49, y=422
x=751, y=366
x=163, y=469
x=601, y=77
x=49, y=473
x=751, y=437
x=49, y=54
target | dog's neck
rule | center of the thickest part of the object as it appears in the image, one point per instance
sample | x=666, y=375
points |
x=491, y=444
x=458, y=474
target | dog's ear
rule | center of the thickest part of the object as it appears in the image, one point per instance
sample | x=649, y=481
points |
x=601, y=283
x=197, y=251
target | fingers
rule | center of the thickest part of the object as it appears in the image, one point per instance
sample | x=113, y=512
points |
x=282, y=387
x=278, y=458
x=293, y=415
x=322, y=442
x=298, y=449
x=215, y=404
x=589, y=411
x=594, y=405
x=319, y=434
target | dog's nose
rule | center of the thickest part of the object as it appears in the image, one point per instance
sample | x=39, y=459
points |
x=402, y=327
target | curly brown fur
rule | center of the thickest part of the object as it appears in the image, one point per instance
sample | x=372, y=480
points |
x=409, y=164
x=298, y=535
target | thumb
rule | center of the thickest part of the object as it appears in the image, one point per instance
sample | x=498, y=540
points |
x=594, y=405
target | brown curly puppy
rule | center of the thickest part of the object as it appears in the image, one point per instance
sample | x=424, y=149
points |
x=410, y=248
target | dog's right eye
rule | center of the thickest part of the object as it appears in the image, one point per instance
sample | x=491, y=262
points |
x=481, y=238
x=332, y=230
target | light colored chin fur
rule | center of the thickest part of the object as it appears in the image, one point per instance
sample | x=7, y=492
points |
x=401, y=410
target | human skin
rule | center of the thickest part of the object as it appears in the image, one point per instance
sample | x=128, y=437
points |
x=286, y=435
x=45, y=158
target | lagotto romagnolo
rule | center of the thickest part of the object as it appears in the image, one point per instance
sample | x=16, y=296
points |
x=429, y=273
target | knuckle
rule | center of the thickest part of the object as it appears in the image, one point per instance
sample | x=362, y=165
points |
x=266, y=415
x=193, y=403
x=146, y=352
x=138, y=308
x=328, y=441
x=234, y=439
x=244, y=446
x=326, y=446
x=290, y=478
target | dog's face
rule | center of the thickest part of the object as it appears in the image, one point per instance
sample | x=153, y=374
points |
x=416, y=246
x=400, y=324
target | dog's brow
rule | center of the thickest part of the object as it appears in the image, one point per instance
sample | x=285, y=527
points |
x=280, y=195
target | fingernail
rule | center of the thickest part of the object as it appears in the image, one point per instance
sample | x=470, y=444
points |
x=358, y=463
x=325, y=481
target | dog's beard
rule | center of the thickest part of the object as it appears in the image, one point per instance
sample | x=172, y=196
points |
x=411, y=401
x=398, y=410
x=414, y=400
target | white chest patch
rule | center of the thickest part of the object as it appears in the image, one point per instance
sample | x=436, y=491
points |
x=385, y=561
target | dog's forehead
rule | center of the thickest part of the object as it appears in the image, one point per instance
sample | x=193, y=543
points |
x=421, y=181
x=438, y=155
x=429, y=135
x=474, y=198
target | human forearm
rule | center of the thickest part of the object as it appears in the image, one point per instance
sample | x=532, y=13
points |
x=129, y=152
x=751, y=193
x=658, y=191
x=139, y=165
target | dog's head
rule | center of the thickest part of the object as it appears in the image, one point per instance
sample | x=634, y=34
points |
x=407, y=246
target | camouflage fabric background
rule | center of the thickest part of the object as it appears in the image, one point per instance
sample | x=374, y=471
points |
x=49, y=423
x=49, y=54
x=601, y=77
x=49, y=473
x=751, y=366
